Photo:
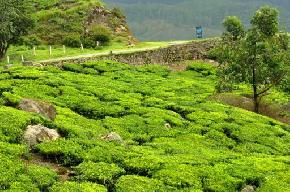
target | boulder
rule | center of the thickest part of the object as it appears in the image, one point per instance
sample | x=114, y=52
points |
x=39, y=107
x=35, y=134
x=112, y=137
x=248, y=188
x=8, y=66
x=167, y=126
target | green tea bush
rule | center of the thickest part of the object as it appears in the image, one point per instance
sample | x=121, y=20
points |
x=43, y=177
x=69, y=186
x=181, y=176
x=203, y=68
x=132, y=183
x=69, y=152
x=173, y=137
x=13, y=123
x=103, y=173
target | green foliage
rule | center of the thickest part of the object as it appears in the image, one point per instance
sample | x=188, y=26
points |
x=265, y=19
x=13, y=122
x=16, y=176
x=78, y=187
x=99, y=33
x=203, y=68
x=72, y=41
x=42, y=176
x=234, y=27
x=74, y=22
x=98, y=172
x=259, y=58
x=30, y=40
x=118, y=12
x=173, y=138
x=14, y=23
x=131, y=183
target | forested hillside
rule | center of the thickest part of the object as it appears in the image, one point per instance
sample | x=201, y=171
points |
x=175, y=19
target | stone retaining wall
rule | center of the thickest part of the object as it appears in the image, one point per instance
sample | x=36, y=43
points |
x=165, y=56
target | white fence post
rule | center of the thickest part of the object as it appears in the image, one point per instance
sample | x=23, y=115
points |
x=22, y=58
x=50, y=50
x=63, y=48
x=82, y=47
x=8, y=59
x=34, y=52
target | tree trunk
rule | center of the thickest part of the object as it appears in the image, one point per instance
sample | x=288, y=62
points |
x=3, y=49
x=255, y=90
x=256, y=103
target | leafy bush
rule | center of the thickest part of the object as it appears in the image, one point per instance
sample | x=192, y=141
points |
x=99, y=34
x=173, y=138
x=69, y=186
x=72, y=41
x=42, y=176
x=98, y=172
x=132, y=183
x=31, y=40
x=203, y=68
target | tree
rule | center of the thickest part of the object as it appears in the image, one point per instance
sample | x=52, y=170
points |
x=258, y=57
x=234, y=27
x=14, y=23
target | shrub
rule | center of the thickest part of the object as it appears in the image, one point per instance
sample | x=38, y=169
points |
x=98, y=172
x=42, y=176
x=203, y=68
x=132, y=183
x=31, y=40
x=181, y=176
x=69, y=186
x=118, y=12
x=100, y=34
x=72, y=41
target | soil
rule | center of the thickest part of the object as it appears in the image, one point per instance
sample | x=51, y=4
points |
x=36, y=159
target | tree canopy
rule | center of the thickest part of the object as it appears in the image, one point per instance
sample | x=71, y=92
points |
x=14, y=22
x=259, y=57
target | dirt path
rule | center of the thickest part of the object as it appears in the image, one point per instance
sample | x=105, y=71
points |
x=123, y=51
x=35, y=159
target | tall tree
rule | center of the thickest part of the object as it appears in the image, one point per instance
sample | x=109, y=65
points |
x=259, y=57
x=14, y=22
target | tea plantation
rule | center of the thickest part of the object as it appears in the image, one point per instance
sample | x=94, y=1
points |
x=173, y=137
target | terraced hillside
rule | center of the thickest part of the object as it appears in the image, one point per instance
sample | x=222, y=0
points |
x=126, y=128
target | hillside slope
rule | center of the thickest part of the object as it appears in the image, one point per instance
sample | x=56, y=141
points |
x=176, y=19
x=69, y=22
x=128, y=129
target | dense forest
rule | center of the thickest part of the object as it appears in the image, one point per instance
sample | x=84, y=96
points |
x=176, y=19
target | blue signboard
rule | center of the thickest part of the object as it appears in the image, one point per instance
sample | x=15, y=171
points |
x=199, y=32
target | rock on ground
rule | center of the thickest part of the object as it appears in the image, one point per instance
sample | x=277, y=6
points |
x=112, y=137
x=248, y=188
x=167, y=125
x=39, y=107
x=35, y=134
